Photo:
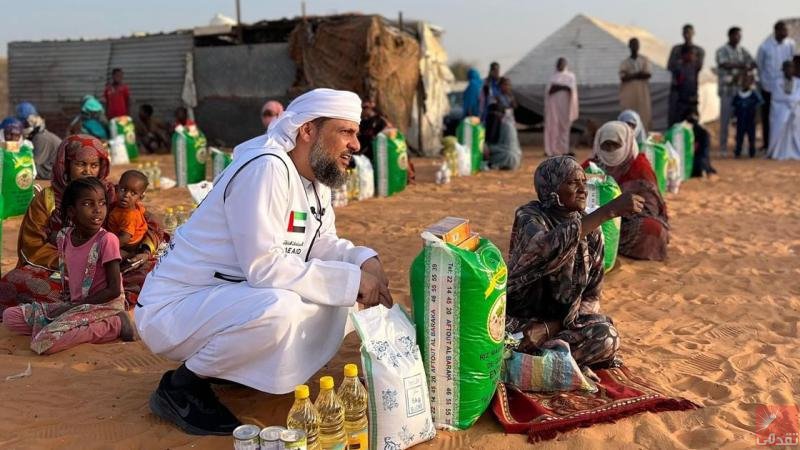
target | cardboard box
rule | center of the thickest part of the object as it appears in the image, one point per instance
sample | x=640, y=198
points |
x=471, y=243
x=452, y=230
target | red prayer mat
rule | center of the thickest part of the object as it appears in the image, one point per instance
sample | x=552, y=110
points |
x=543, y=415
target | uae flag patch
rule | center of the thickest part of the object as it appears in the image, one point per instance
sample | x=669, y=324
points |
x=297, y=222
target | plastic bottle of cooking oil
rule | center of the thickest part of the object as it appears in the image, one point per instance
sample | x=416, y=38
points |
x=331, y=415
x=354, y=397
x=304, y=416
x=156, y=175
x=170, y=221
x=181, y=215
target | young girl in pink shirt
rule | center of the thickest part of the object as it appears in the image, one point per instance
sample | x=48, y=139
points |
x=92, y=308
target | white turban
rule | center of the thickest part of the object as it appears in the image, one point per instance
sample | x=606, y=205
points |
x=318, y=103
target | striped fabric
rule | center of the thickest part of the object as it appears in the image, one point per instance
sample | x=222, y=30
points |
x=554, y=370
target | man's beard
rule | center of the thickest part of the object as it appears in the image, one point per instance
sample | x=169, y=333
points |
x=325, y=167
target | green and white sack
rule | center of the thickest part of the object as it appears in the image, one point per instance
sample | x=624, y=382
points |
x=190, y=151
x=399, y=409
x=674, y=177
x=682, y=138
x=219, y=161
x=601, y=189
x=459, y=299
x=366, y=177
x=18, y=173
x=118, y=154
x=472, y=135
x=124, y=128
x=658, y=155
x=390, y=158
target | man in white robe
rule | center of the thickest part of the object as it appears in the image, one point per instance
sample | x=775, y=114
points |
x=256, y=287
x=785, y=114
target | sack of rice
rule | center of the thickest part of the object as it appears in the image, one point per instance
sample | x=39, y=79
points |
x=399, y=409
x=658, y=155
x=124, y=128
x=472, y=135
x=390, y=162
x=219, y=161
x=681, y=136
x=366, y=177
x=190, y=150
x=459, y=299
x=601, y=189
x=117, y=151
x=19, y=171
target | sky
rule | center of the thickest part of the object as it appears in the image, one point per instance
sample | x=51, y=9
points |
x=477, y=32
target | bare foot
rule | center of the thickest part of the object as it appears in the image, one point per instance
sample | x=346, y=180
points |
x=127, y=332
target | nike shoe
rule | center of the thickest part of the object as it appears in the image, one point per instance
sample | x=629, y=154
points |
x=195, y=409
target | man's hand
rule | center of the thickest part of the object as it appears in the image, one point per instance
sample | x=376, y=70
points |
x=374, y=267
x=374, y=288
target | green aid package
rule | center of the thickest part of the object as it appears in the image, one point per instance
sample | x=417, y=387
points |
x=658, y=155
x=472, y=135
x=390, y=160
x=123, y=126
x=189, y=148
x=682, y=138
x=18, y=175
x=601, y=189
x=459, y=300
x=219, y=161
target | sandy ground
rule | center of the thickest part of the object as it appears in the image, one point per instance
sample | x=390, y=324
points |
x=717, y=323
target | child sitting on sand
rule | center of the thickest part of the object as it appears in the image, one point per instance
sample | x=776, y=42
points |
x=92, y=308
x=127, y=219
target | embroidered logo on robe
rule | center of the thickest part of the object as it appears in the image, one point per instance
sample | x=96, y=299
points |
x=297, y=222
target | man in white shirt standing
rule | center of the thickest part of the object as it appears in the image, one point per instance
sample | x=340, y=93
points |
x=256, y=287
x=770, y=58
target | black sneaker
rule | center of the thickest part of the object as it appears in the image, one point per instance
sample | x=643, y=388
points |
x=195, y=410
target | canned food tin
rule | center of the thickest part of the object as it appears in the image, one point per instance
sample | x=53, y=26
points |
x=294, y=439
x=271, y=438
x=245, y=437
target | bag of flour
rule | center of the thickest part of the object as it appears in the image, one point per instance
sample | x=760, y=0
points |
x=366, y=177
x=219, y=161
x=117, y=151
x=124, y=128
x=472, y=135
x=190, y=150
x=681, y=136
x=18, y=172
x=459, y=298
x=390, y=157
x=601, y=189
x=399, y=409
x=674, y=172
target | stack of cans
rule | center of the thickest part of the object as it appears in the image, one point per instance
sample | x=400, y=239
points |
x=252, y=437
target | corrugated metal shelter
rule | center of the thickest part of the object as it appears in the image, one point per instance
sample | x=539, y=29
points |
x=55, y=75
x=594, y=50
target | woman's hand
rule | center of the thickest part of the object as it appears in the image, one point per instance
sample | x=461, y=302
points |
x=537, y=333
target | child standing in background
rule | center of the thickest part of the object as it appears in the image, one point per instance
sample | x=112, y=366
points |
x=92, y=308
x=745, y=107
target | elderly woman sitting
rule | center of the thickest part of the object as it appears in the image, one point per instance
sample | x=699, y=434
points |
x=556, y=265
x=643, y=235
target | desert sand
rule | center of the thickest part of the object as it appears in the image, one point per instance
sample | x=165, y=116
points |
x=716, y=323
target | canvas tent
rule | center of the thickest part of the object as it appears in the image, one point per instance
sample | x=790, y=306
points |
x=594, y=50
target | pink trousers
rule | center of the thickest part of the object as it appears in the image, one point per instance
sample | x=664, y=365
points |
x=100, y=332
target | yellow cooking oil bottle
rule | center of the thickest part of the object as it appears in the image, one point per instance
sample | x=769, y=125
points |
x=304, y=416
x=331, y=414
x=354, y=397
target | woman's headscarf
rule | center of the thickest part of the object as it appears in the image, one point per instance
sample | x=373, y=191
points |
x=91, y=105
x=630, y=116
x=548, y=178
x=11, y=125
x=615, y=163
x=74, y=147
x=274, y=107
x=26, y=109
x=472, y=94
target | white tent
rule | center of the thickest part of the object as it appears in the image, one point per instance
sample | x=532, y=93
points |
x=594, y=50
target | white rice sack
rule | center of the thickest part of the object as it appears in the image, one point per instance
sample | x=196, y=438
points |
x=198, y=191
x=674, y=169
x=118, y=150
x=399, y=405
x=464, y=158
x=366, y=177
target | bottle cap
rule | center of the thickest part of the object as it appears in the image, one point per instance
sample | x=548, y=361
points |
x=351, y=370
x=301, y=392
x=326, y=383
x=170, y=210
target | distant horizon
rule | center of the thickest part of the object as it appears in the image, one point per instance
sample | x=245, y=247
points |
x=471, y=35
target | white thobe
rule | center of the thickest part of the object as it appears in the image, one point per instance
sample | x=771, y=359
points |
x=256, y=287
x=784, y=122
